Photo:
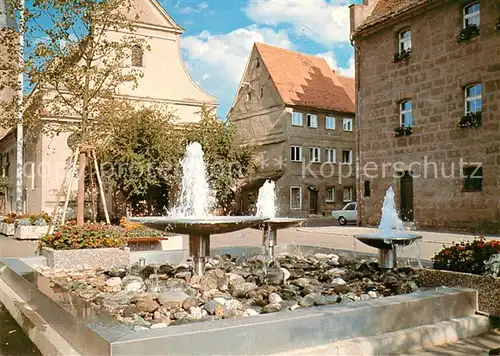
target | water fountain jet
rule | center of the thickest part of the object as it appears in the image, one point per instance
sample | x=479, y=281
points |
x=391, y=233
x=266, y=207
x=191, y=215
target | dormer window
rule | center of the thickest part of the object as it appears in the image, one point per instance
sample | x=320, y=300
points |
x=137, y=56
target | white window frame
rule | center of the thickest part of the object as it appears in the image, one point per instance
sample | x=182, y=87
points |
x=473, y=15
x=351, y=194
x=330, y=119
x=300, y=153
x=404, y=41
x=474, y=98
x=350, y=156
x=347, y=124
x=300, y=197
x=317, y=156
x=295, y=119
x=328, y=200
x=313, y=123
x=405, y=112
x=333, y=158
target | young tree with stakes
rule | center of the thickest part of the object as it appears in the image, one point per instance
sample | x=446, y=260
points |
x=74, y=69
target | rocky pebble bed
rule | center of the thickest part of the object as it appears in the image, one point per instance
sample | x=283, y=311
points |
x=157, y=296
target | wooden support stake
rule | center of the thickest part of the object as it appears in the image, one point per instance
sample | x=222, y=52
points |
x=101, y=189
x=59, y=196
x=70, y=183
x=92, y=198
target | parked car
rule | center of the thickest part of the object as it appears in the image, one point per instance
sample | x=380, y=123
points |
x=349, y=213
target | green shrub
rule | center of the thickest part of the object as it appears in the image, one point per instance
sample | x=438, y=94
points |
x=467, y=256
x=70, y=236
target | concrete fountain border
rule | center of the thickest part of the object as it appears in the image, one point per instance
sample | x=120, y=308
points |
x=89, y=331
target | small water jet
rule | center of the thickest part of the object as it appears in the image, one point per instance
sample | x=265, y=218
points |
x=192, y=215
x=391, y=233
x=266, y=208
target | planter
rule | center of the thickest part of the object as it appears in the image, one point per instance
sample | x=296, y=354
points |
x=7, y=229
x=92, y=257
x=30, y=232
x=488, y=287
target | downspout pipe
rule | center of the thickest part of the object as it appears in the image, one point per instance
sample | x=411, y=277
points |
x=359, y=177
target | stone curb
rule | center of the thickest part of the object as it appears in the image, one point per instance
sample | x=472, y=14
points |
x=441, y=333
x=48, y=341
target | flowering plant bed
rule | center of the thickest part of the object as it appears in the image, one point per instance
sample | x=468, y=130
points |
x=469, y=32
x=7, y=229
x=7, y=225
x=404, y=55
x=88, y=236
x=469, y=264
x=37, y=219
x=96, y=245
x=467, y=256
x=402, y=131
x=472, y=119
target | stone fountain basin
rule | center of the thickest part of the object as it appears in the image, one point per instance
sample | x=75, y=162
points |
x=279, y=223
x=199, y=225
x=387, y=241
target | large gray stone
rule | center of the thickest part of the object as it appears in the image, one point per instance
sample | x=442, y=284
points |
x=172, y=299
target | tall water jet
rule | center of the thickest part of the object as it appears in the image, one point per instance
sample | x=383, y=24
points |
x=390, y=221
x=266, y=208
x=196, y=198
x=192, y=216
x=391, y=233
x=266, y=201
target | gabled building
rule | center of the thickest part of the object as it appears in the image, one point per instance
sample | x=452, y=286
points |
x=428, y=86
x=299, y=116
x=165, y=81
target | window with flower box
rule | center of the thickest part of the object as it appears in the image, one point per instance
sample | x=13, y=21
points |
x=404, y=46
x=471, y=22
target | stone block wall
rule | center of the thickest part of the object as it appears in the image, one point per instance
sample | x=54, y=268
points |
x=434, y=79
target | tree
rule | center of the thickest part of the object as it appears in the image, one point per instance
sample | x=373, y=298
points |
x=142, y=156
x=226, y=158
x=75, y=67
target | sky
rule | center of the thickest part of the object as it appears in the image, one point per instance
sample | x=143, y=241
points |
x=220, y=34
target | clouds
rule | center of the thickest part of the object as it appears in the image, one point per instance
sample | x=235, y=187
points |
x=217, y=60
x=325, y=22
x=346, y=69
x=192, y=10
x=226, y=54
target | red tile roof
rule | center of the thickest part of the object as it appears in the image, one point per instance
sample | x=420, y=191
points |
x=306, y=80
x=387, y=9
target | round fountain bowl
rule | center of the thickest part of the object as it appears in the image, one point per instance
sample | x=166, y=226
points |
x=387, y=241
x=199, y=225
x=279, y=223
